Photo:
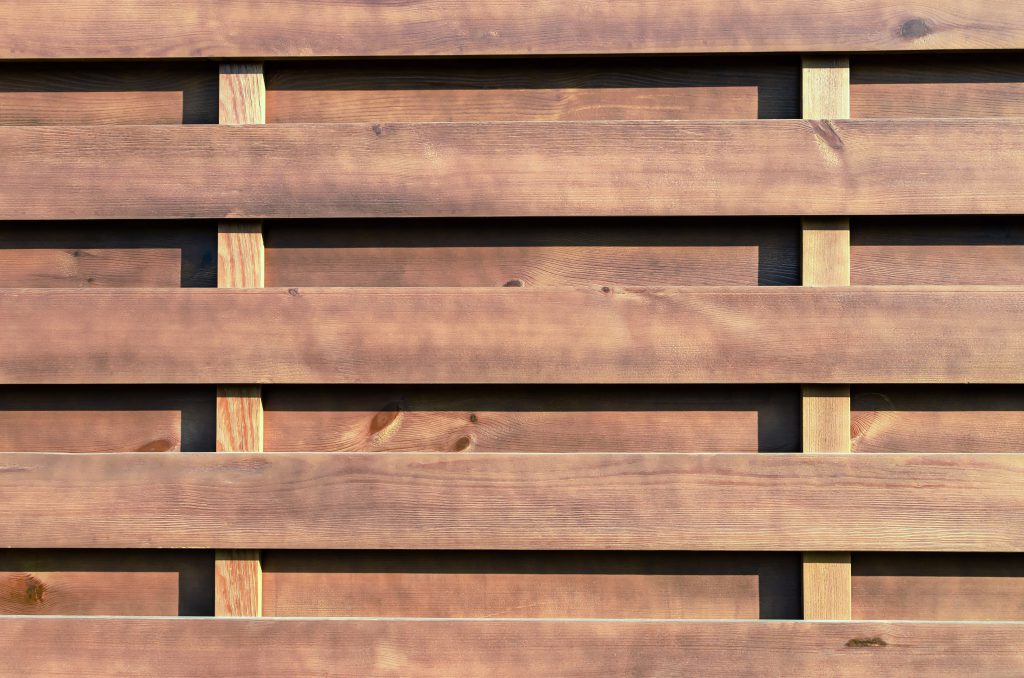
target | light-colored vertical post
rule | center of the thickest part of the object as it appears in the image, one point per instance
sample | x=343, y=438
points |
x=827, y=577
x=238, y=575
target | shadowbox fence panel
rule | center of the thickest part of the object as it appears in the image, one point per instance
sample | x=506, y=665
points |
x=558, y=296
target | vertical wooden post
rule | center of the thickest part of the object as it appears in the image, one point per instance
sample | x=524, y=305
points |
x=827, y=577
x=238, y=575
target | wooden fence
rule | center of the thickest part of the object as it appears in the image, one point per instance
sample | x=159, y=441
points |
x=541, y=280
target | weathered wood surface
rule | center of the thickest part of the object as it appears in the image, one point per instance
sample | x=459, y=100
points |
x=757, y=167
x=504, y=648
x=819, y=502
x=93, y=29
x=534, y=584
x=479, y=335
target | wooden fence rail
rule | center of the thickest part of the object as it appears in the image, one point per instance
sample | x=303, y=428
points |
x=542, y=280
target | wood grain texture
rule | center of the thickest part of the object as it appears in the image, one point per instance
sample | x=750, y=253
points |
x=937, y=251
x=826, y=408
x=151, y=93
x=106, y=419
x=634, y=168
x=91, y=29
x=240, y=254
x=827, y=585
x=937, y=86
x=568, y=335
x=238, y=583
x=102, y=582
x=939, y=586
x=548, y=584
x=107, y=254
x=594, y=88
x=826, y=418
x=238, y=575
x=938, y=419
x=504, y=648
x=819, y=502
x=242, y=94
x=545, y=418
x=531, y=252
x=239, y=419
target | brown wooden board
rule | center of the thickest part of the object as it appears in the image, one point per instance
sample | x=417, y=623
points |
x=821, y=502
x=545, y=418
x=632, y=168
x=504, y=648
x=576, y=584
x=937, y=251
x=531, y=252
x=937, y=86
x=939, y=586
x=91, y=29
x=167, y=93
x=106, y=419
x=105, y=582
x=514, y=335
x=108, y=254
x=459, y=90
x=888, y=418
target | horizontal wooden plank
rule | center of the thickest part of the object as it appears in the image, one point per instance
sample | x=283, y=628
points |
x=503, y=648
x=536, y=584
x=594, y=88
x=939, y=586
x=937, y=86
x=514, y=335
x=656, y=168
x=108, y=254
x=106, y=582
x=92, y=29
x=823, y=502
x=531, y=252
x=107, y=418
x=937, y=251
x=976, y=418
x=165, y=93
x=544, y=418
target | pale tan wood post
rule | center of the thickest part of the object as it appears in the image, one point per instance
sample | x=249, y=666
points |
x=238, y=574
x=827, y=577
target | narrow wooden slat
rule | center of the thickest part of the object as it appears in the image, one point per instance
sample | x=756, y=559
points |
x=937, y=86
x=534, y=584
x=108, y=419
x=939, y=586
x=504, y=648
x=562, y=88
x=805, y=502
x=544, y=418
x=515, y=335
x=238, y=574
x=102, y=582
x=978, y=418
x=659, y=168
x=532, y=252
x=93, y=29
x=826, y=408
x=107, y=93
